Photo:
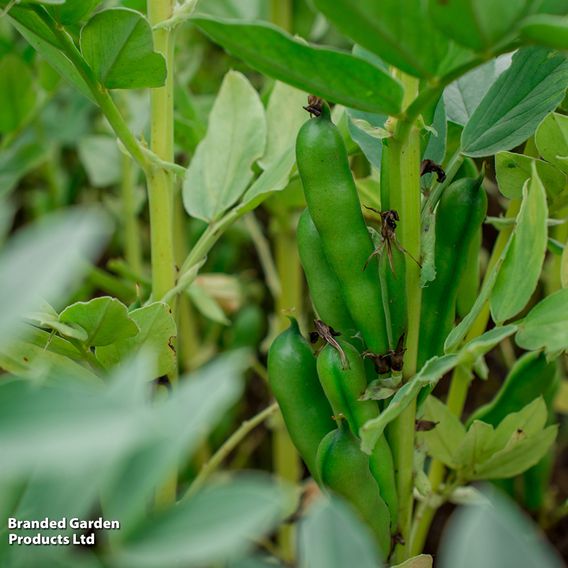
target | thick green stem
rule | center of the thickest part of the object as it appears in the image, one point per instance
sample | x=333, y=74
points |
x=404, y=170
x=160, y=182
x=281, y=13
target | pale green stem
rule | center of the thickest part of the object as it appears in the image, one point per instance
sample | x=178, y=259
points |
x=404, y=168
x=228, y=446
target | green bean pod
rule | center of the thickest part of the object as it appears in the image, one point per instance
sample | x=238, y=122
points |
x=468, y=287
x=344, y=468
x=325, y=289
x=334, y=206
x=531, y=376
x=459, y=215
x=343, y=388
x=394, y=279
x=292, y=375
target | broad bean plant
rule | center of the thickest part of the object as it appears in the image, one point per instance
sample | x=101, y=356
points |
x=244, y=237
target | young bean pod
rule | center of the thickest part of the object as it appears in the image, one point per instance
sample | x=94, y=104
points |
x=343, y=386
x=294, y=381
x=459, y=215
x=334, y=206
x=325, y=289
x=344, y=468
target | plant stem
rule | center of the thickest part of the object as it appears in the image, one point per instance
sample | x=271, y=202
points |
x=281, y=13
x=459, y=386
x=100, y=92
x=404, y=167
x=160, y=183
x=285, y=457
x=228, y=446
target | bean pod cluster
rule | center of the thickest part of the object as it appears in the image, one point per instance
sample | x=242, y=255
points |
x=358, y=294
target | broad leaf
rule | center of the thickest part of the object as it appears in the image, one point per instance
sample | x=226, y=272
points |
x=548, y=30
x=45, y=261
x=520, y=272
x=157, y=333
x=117, y=44
x=370, y=145
x=463, y=96
x=332, y=535
x=513, y=170
x=551, y=139
x=334, y=75
x=479, y=24
x=73, y=11
x=17, y=93
x=41, y=38
x=221, y=169
x=546, y=325
x=101, y=158
x=221, y=522
x=517, y=102
x=104, y=319
x=447, y=436
x=195, y=408
x=399, y=31
x=495, y=535
x=284, y=116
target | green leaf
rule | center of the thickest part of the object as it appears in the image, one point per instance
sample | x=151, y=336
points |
x=73, y=11
x=517, y=102
x=494, y=536
x=157, y=329
x=41, y=38
x=274, y=179
x=546, y=325
x=370, y=146
x=399, y=31
x=221, y=522
x=101, y=158
x=520, y=272
x=479, y=24
x=332, y=536
x=196, y=407
x=18, y=159
x=477, y=446
x=221, y=169
x=447, y=436
x=463, y=96
x=104, y=319
x=548, y=30
x=564, y=268
x=334, y=75
x=46, y=261
x=117, y=44
x=46, y=317
x=520, y=455
x=551, y=140
x=206, y=304
x=284, y=117
x=25, y=359
x=420, y=561
x=17, y=93
x=429, y=375
x=513, y=170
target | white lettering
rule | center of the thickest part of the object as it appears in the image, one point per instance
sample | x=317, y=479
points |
x=12, y=523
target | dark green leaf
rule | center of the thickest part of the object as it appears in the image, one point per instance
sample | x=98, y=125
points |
x=332, y=536
x=17, y=93
x=520, y=272
x=546, y=325
x=551, y=31
x=334, y=75
x=517, y=102
x=118, y=45
x=399, y=31
x=479, y=24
